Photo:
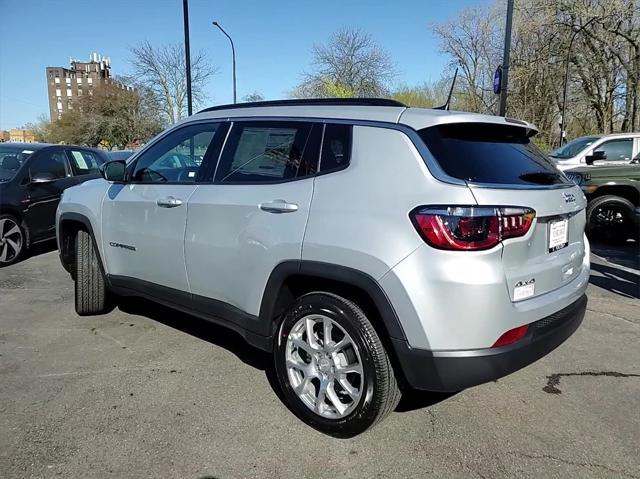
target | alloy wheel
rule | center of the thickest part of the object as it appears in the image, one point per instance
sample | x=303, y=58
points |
x=609, y=216
x=324, y=367
x=11, y=240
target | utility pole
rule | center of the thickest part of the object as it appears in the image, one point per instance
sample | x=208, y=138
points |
x=187, y=54
x=506, y=59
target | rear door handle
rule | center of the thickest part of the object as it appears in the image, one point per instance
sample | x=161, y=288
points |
x=169, y=202
x=278, y=206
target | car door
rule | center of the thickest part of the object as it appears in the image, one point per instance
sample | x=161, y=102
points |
x=48, y=176
x=254, y=214
x=617, y=151
x=143, y=220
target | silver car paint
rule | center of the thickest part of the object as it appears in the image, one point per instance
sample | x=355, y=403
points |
x=357, y=217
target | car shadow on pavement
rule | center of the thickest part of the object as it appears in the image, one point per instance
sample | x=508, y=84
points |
x=250, y=355
x=623, y=282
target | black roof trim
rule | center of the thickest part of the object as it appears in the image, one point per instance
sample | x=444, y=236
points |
x=311, y=102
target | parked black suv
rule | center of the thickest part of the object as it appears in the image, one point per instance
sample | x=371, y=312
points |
x=32, y=179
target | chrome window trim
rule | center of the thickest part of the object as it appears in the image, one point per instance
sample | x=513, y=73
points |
x=432, y=165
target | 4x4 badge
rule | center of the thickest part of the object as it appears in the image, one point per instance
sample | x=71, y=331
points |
x=569, y=197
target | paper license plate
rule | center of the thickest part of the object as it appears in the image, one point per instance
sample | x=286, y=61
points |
x=558, y=234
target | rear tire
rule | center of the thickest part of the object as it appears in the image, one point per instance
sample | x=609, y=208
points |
x=340, y=383
x=90, y=286
x=610, y=219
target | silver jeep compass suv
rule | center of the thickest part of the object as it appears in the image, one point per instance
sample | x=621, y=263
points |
x=367, y=245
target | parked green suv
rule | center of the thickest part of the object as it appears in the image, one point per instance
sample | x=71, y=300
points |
x=613, y=193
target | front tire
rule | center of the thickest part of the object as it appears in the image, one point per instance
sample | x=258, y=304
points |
x=13, y=240
x=610, y=219
x=90, y=286
x=333, y=370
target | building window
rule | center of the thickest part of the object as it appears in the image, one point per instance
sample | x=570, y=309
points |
x=79, y=80
x=58, y=92
x=90, y=81
x=57, y=80
x=69, y=92
x=59, y=106
x=68, y=80
x=79, y=92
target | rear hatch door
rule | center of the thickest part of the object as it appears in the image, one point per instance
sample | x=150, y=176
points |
x=503, y=167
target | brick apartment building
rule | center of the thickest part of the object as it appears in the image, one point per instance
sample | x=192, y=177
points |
x=66, y=84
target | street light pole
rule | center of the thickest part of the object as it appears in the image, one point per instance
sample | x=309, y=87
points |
x=506, y=60
x=566, y=78
x=187, y=53
x=233, y=53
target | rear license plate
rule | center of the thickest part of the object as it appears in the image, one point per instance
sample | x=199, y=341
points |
x=558, y=234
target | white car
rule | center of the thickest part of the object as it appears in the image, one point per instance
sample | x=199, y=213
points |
x=616, y=149
x=365, y=244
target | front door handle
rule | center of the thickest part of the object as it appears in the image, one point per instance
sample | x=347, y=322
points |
x=169, y=202
x=278, y=206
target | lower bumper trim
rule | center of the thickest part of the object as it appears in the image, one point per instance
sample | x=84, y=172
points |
x=450, y=371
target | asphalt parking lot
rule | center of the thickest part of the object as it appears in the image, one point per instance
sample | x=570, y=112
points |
x=148, y=392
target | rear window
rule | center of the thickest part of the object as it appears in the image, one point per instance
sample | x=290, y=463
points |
x=487, y=153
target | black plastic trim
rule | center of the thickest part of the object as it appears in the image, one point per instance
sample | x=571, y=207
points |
x=450, y=371
x=78, y=218
x=206, y=308
x=309, y=102
x=334, y=272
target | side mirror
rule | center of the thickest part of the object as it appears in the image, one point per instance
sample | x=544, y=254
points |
x=43, y=177
x=114, y=171
x=596, y=156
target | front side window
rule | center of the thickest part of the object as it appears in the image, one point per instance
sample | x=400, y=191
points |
x=49, y=164
x=177, y=157
x=617, y=150
x=262, y=152
x=84, y=162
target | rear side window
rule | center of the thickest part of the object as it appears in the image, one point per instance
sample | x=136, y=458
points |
x=264, y=152
x=487, y=153
x=336, y=147
x=84, y=162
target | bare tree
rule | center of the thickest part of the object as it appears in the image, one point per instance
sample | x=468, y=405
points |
x=162, y=71
x=255, y=96
x=351, y=64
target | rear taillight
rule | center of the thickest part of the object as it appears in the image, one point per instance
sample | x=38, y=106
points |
x=470, y=227
x=511, y=336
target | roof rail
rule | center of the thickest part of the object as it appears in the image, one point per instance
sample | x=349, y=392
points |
x=310, y=102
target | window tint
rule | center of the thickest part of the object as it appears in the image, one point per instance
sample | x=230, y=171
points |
x=259, y=152
x=84, y=162
x=177, y=157
x=49, y=163
x=617, y=150
x=487, y=153
x=336, y=147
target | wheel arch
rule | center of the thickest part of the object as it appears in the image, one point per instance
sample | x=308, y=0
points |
x=627, y=192
x=68, y=226
x=292, y=279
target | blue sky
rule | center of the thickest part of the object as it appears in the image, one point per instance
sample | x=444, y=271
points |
x=273, y=40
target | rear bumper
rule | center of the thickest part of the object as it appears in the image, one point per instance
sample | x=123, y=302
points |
x=450, y=371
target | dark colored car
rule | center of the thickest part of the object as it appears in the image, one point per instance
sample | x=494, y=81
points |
x=32, y=179
x=613, y=193
x=122, y=155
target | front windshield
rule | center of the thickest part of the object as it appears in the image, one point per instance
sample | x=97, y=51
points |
x=11, y=159
x=572, y=148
